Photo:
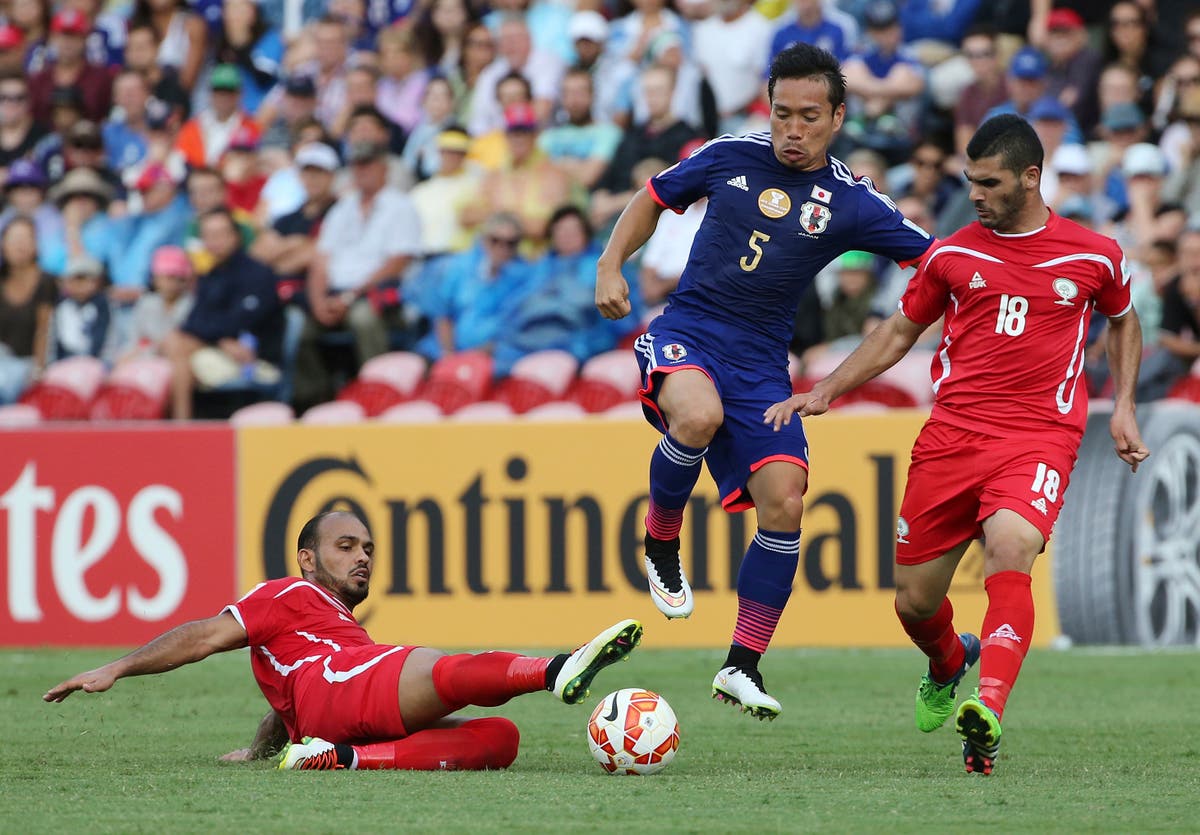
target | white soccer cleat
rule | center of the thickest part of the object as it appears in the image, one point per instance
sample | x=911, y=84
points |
x=611, y=645
x=669, y=587
x=744, y=689
x=313, y=754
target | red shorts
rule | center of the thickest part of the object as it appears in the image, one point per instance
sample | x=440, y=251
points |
x=958, y=478
x=352, y=696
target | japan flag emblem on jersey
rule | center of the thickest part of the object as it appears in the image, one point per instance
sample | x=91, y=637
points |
x=814, y=217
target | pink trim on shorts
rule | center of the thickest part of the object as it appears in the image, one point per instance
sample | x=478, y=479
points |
x=740, y=500
x=644, y=394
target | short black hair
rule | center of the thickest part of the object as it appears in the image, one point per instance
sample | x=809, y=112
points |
x=570, y=210
x=1010, y=137
x=220, y=211
x=310, y=534
x=804, y=60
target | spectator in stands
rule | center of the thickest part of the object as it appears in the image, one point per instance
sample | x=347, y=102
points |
x=235, y=327
x=440, y=199
x=529, y=185
x=403, y=77
x=1183, y=186
x=814, y=24
x=82, y=324
x=25, y=194
x=1074, y=67
x=27, y=297
x=543, y=70
x=1027, y=82
x=931, y=183
x=479, y=51
x=204, y=138
x=629, y=36
x=162, y=311
x=367, y=242
x=327, y=68
x=1143, y=170
x=847, y=313
x=12, y=49
x=581, y=146
x=244, y=178
x=661, y=136
x=289, y=246
x=297, y=107
x=732, y=49
x=441, y=30
x=1128, y=43
x=245, y=42
x=124, y=130
x=142, y=45
x=479, y=291
x=1179, y=332
x=1071, y=167
x=1122, y=127
x=1183, y=78
x=490, y=150
x=882, y=83
x=19, y=133
x=558, y=308
x=182, y=37
x=588, y=32
x=70, y=68
x=1051, y=121
x=162, y=220
x=207, y=191
x=82, y=197
x=986, y=91
x=421, y=152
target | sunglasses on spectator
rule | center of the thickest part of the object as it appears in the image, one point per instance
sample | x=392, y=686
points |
x=480, y=42
x=13, y=98
x=497, y=240
x=1126, y=21
x=980, y=53
x=926, y=163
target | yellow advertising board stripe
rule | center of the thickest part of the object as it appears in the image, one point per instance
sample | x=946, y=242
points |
x=518, y=534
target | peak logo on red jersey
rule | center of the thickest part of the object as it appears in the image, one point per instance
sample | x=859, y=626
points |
x=977, y=282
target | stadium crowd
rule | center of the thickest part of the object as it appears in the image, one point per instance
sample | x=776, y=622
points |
x=261, y=197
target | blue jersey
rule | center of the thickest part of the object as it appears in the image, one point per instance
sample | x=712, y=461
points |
x=766, y=234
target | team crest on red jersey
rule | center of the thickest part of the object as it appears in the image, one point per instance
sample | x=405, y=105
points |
x=674, y=352
x=814, y=217
x=1066, y=289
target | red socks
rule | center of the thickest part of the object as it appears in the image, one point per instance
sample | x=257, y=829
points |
x=487, y=679
x=1007, y=631
x=474, y=745
x=937, y=639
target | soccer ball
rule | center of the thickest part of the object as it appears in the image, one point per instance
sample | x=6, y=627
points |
x=633, y=731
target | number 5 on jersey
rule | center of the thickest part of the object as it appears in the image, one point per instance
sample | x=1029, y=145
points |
x=1012, y=314
x=751, y=264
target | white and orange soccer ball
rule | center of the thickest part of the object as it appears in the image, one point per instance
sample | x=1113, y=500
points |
x=633, y=731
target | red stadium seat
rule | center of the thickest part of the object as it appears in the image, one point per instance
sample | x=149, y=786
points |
x=1186, y=388
x=556, y=410
x=54, y=402
x=618, y=369
x=554, y=370
x=484, y=411
x=334, y=413
x=596, y=395
x=628, y=410
x=122, y=402
x=912, y=374
x=66, y=389
x=150, y=374
x=522, y=395
x=401, y=370
x=374, y=396
x=412, y=411
x=877, y=391
x=267, y=413
x=19, y=414
x=458, y=379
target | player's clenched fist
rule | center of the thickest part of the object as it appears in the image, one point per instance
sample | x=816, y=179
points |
x=803, y=404
x=612, y=294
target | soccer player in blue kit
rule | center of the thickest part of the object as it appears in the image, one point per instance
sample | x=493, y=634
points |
x=780, y=209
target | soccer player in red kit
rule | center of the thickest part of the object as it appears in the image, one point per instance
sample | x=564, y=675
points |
x=993, y=460
x=345, y=701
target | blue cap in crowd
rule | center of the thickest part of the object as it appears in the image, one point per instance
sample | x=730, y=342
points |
x=1028, y=64
x=1049, y=108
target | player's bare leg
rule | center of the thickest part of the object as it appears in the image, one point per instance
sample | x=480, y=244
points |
x=692, y=410
x=928, y=618
x=764, y=585
x=1012, y=545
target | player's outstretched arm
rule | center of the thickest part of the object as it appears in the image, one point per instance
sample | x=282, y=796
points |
x=1124, y=356
x=192, y=641
x=880, y=350
x=634, y=227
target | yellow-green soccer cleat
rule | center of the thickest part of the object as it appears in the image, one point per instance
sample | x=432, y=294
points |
x=311, y=754
x=935, y=701
x=979, y=728
x=572, y=682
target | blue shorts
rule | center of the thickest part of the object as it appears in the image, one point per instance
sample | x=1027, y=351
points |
x=743, y=443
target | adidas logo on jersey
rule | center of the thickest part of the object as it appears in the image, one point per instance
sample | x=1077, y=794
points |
x=1006, y=632
x=738, y=182
x=1040, y=504
x=977, y=282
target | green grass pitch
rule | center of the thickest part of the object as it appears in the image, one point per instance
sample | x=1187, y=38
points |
x=1093, y=741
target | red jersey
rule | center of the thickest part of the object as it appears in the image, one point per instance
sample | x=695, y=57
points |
x=295, y=628
x=1017, y=310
